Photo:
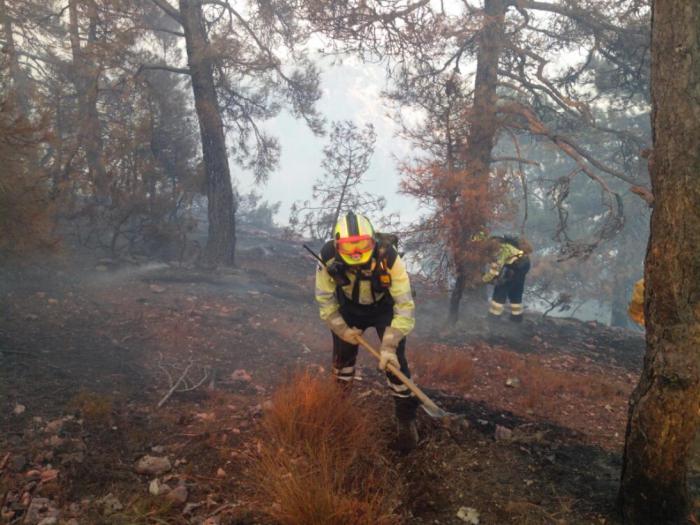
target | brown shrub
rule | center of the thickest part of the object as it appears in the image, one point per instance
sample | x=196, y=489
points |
x=25, y=206
x=95, y=408
x=320, y=459
x=444, y=366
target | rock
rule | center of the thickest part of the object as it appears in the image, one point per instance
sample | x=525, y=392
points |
x=39, y=510
x=512, y=382
x=155, y=288
x=156, y=488
x=49, y=475
x=158, y=449
x=17, y=463
x=241, y=375
x=19, y=409
x=101, y=268
x=178, y=495
x=468, y=515
x=153, y=465
x=56, y=442
x=190, y=508
x=503, y=433
x=52, y=301
x=110, y=504
x=49, y=521
x=220, y=473
x=53, y=426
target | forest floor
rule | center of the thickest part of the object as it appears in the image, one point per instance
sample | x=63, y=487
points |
x=85, y=358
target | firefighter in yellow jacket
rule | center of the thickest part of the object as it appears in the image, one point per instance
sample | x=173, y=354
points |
x=636, y=307
x=507, y=273
x=362, y=284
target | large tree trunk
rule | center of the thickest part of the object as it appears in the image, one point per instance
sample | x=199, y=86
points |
x=483, y=125
x=665, y=407
x=86, y=75
x=222, y=240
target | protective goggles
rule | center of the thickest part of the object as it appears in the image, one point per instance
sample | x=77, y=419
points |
x=355, y=244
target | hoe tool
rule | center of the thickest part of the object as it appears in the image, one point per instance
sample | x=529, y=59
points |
x=428, y=404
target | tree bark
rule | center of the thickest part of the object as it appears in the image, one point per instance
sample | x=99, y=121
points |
x=222, y=207
x=665, y=406
x=483, y=125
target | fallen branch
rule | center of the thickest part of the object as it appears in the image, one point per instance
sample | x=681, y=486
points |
x=183, y=383
x=4, y=461
x=174, y=387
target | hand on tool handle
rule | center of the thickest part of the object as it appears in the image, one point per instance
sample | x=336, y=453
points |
x=387, y=351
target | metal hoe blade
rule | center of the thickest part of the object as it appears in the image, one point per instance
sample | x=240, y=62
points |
x=427, y=404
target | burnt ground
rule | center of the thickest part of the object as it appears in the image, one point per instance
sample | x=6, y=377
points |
x=86, y=356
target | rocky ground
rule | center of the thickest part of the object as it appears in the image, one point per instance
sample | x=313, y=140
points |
x=131, y=392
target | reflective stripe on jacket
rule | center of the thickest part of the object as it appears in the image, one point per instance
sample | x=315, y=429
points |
x=400, y=291
x=507, y=254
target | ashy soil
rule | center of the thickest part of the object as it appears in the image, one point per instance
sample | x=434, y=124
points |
x=89, y=351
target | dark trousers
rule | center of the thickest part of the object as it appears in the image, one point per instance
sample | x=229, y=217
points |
x=513, y=287
x=377, y=316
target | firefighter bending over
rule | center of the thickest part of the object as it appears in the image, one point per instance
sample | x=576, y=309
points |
x=507, y=274
x=364, y=284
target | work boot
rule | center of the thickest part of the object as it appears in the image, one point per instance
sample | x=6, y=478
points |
x=407, y=435
x=516, y=318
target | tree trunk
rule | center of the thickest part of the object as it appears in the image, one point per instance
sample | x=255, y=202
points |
x=86, y=76
x=20, y=84
x=483, y=125
x=222, y=240
x=665, y=407
x=456, y=295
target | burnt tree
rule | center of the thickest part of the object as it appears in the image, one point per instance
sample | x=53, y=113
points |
x=483, y=128
x=238, y=80
x=86, y=73
x=222, y=208
x=665, y=406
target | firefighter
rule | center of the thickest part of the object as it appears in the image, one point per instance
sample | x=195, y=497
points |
x=636, y=306
x=507, y=273
x=362, y=284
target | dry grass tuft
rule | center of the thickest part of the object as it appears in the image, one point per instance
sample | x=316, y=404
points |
x=320, y=459
x=444, y=366
x=95, y=408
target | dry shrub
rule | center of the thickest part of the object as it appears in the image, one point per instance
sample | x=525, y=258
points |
x=25, y=206
x=542, y=385
x=94, y=408
x=444, y=366
x=320, y=459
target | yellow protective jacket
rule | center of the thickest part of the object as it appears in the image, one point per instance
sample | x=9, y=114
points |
x=507, y=254
x=636, y=307
x=399, y=289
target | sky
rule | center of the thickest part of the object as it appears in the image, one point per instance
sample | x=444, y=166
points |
x=351, y=91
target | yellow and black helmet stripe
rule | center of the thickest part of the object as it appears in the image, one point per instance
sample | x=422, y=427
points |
x=352, y=225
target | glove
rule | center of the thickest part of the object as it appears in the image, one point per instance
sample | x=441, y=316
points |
x=493, y=273
x=387, y=351
x=340, y=328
